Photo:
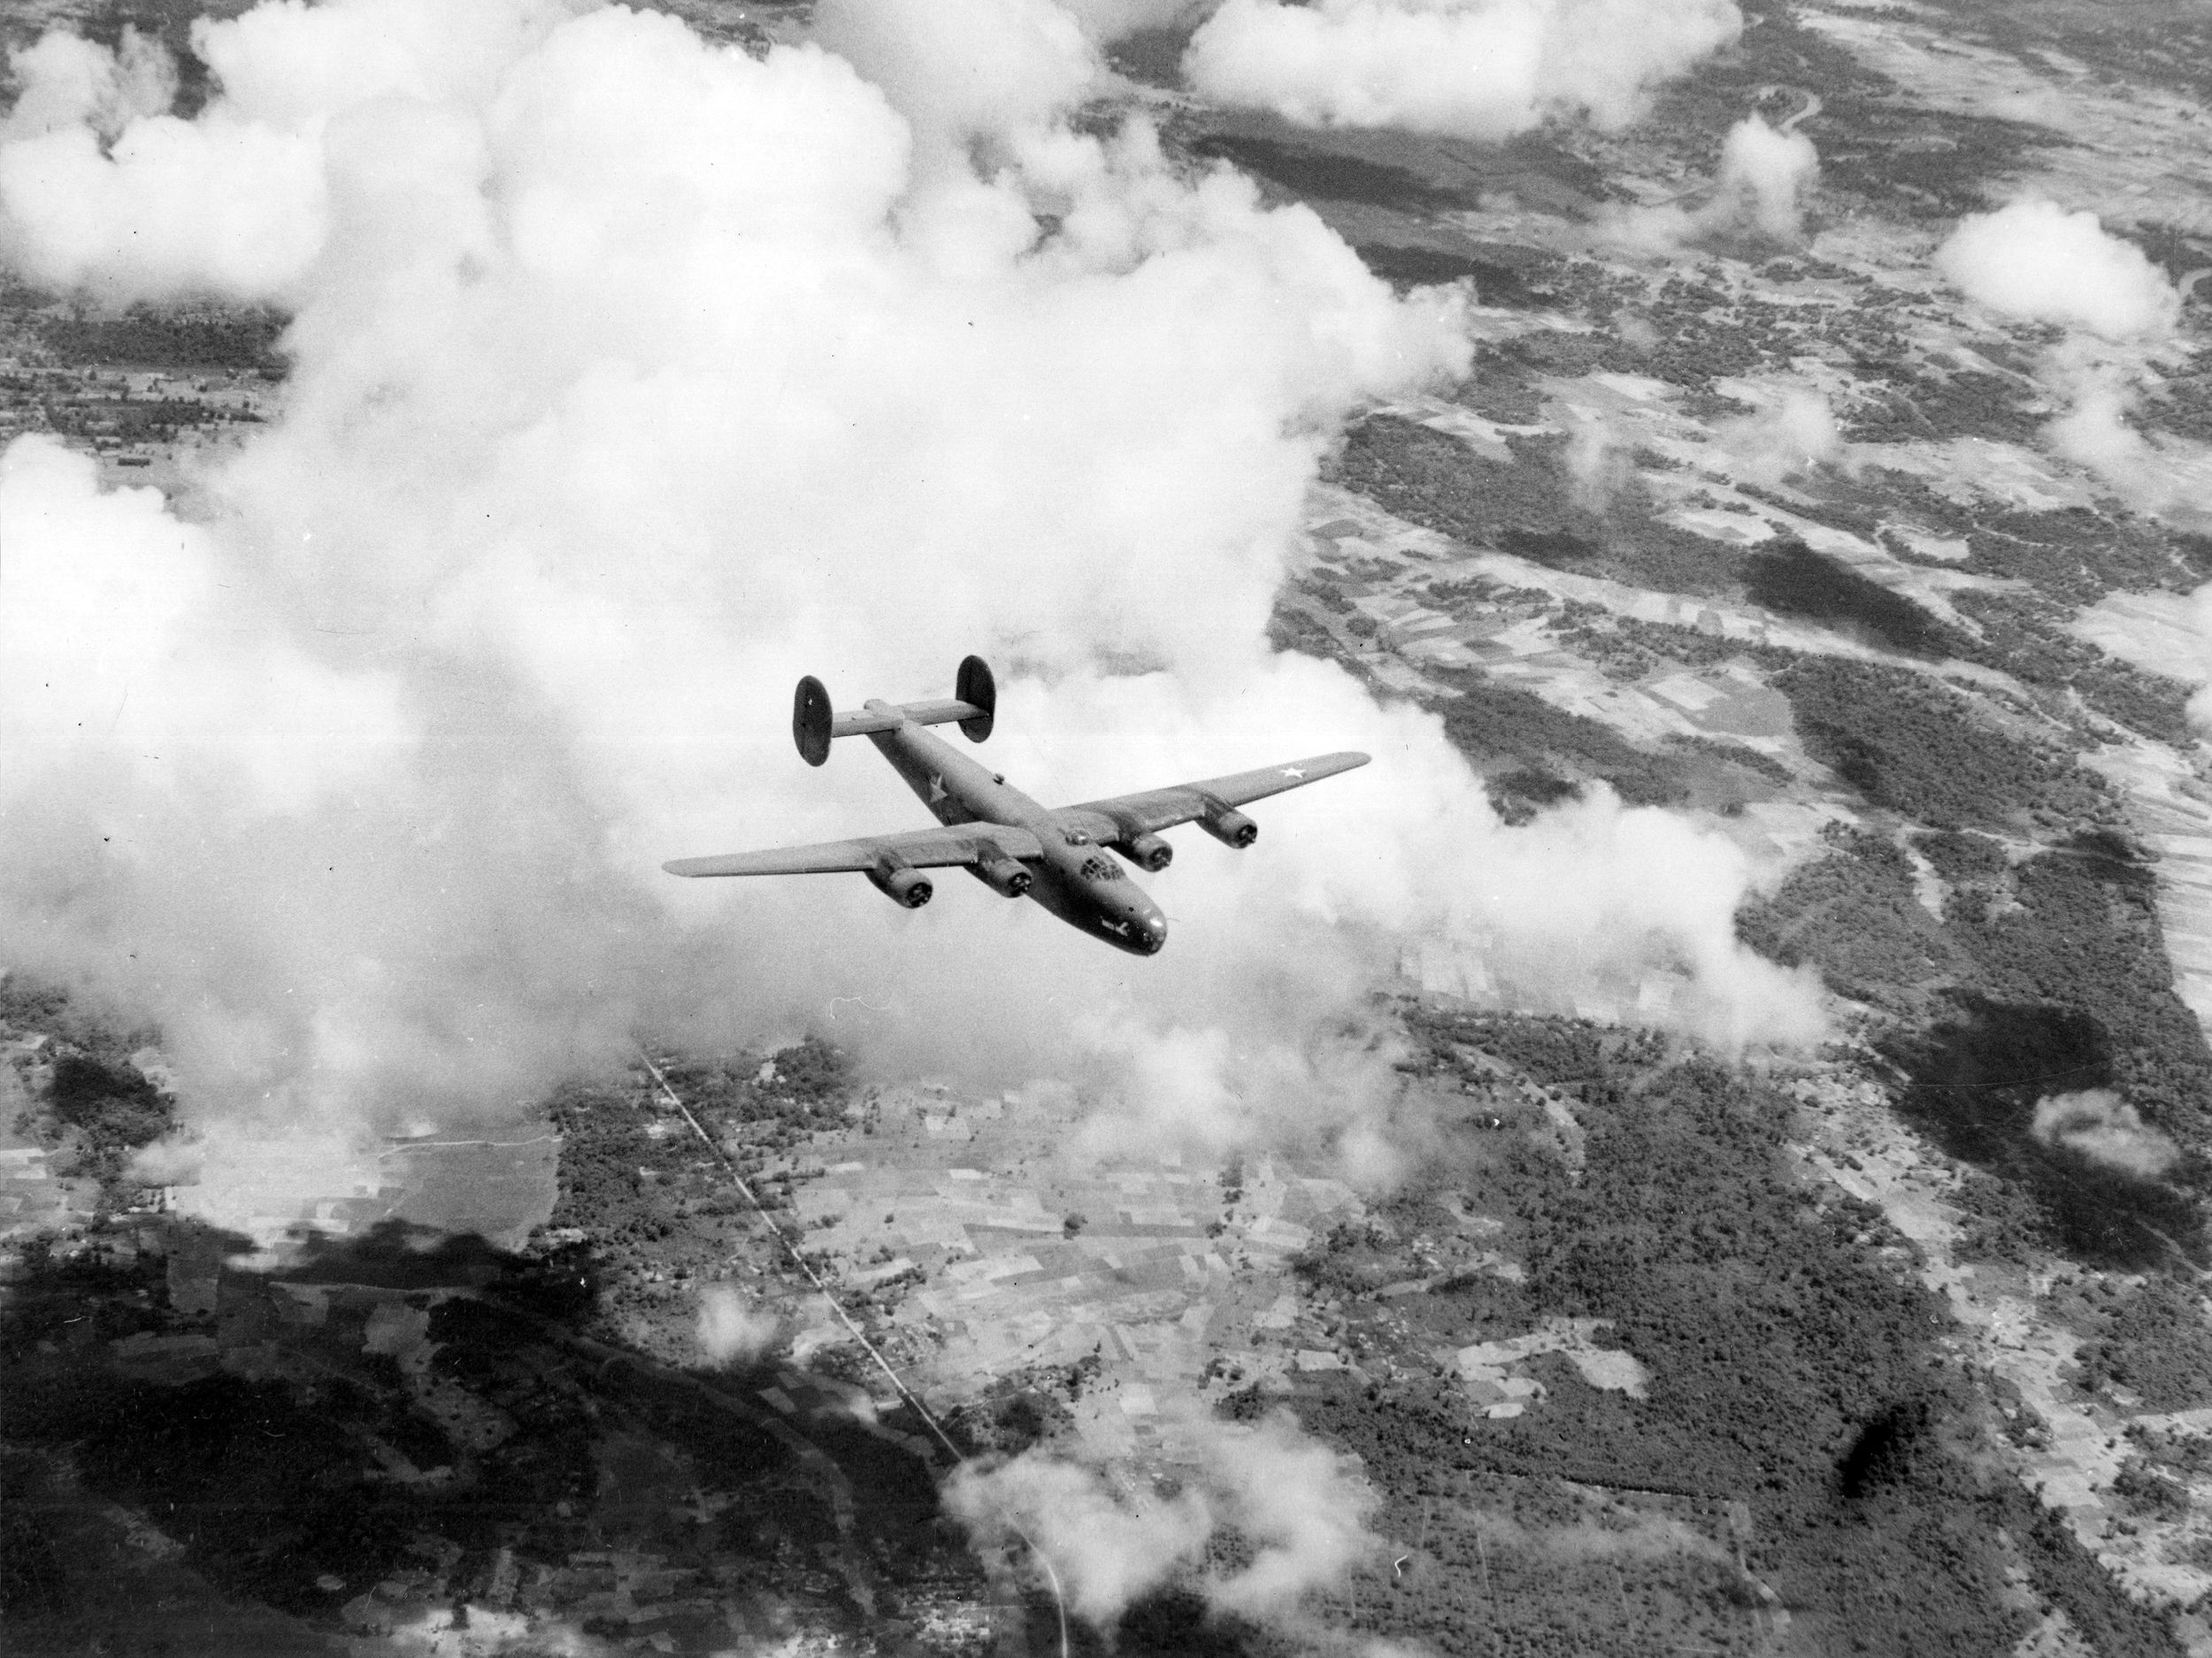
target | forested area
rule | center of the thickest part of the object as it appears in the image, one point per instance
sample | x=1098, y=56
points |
x=1795, y=1369
x=181, y=340
x=2044, y=977
x=1539, y=752
x=1919, y=749
x=100, y=1108
x=114, y=1110
x=1529, y=506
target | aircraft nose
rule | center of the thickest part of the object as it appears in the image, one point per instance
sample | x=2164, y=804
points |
x=1155, y=933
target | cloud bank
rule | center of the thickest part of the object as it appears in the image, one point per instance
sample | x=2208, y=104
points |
x=1482, y=69
x=2036, y=261
x=1766, y=179
x=634, y=377
x=1289, y=1497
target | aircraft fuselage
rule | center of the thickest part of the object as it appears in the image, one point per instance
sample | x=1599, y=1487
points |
x=1078, y=881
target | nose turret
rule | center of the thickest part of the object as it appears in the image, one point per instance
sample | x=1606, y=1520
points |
x=1139, y=927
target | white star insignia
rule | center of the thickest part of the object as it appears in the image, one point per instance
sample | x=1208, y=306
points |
x=1292, y=771
x=936, y=788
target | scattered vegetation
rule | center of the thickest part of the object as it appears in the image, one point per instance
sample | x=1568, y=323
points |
x=2001, y=1221
x=2026, y=635
x=1015, y=1411
x=2076, y=554
x=1529, y=506
x=1539, y=752
x=658, y=1209
x=2154, y=1339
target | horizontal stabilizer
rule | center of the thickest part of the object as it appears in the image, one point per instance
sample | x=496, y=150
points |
x=814, y=725
x=862, y=721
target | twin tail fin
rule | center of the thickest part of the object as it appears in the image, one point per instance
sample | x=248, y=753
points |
x=815, y=723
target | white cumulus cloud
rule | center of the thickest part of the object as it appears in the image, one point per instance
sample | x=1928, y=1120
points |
x=1301, y=1513
x=635, y=376
x=1483, y=69
x=1766, y=179
x=2034, y=260
x=2106, y=1129
x=733, y=1332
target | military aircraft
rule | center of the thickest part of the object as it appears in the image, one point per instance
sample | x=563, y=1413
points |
x=1063, y=859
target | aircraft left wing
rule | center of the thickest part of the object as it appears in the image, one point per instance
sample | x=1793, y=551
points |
x=919, y=848
x=1124, y=815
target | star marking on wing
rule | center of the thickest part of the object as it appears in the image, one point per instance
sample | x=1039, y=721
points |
x=1292, y=771
x=936, y=788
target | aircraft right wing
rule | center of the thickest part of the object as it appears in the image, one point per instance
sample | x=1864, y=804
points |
x=967, y=843
x=1124, y=815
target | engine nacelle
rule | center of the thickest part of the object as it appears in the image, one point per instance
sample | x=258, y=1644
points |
x=1008, y=877
x=1146, y=852
x=902, y=884
x=1231, y=828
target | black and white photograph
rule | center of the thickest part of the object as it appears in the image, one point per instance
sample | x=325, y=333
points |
x=1531, y=684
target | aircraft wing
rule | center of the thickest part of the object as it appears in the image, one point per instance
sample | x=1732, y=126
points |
x=923, y=849
x=1186, y=802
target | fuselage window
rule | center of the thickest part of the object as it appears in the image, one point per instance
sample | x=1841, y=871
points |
x=1100, y=869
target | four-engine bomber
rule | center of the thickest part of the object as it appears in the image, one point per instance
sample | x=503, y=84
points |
x=1064, y=858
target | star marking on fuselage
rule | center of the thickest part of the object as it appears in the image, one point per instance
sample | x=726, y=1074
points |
x=1292, y=771
x=936, y=788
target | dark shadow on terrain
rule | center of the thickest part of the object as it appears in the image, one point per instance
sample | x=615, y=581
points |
x=1556, y=549
x=1544, y=748
x=1976, y=1078
x=1883, y=1455
x=2110, y=858
x=1152, y=56
x=298, y=1434
x=1496, y=284
x=1328, y=174
x=398, y=1255
x=1409, y=173
x=1790, y=579
x=1176, y=1624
